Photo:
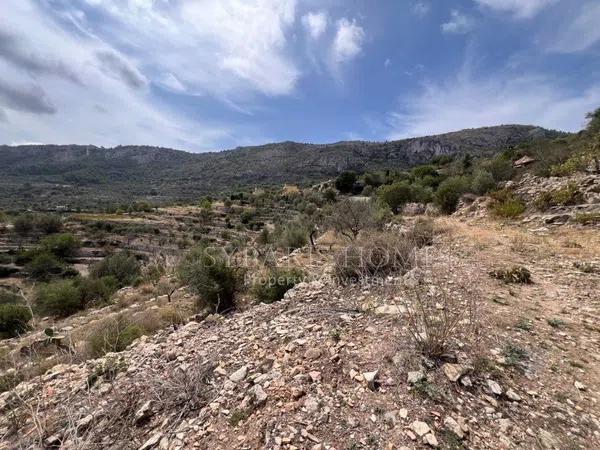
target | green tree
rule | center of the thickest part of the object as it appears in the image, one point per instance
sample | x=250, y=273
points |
x=345, y=182
x=396, y=195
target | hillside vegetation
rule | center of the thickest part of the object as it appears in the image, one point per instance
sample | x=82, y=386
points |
x=47, y=176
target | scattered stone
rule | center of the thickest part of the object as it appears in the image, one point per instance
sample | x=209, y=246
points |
x=580, y=386
x=371, y=379
x=454, y=371
x=430, y=439
x=453, y=426
x=421, y=428
x=239, y=375
x=494, y=387
x=152, y=442
x=415, y=377
x=312, y=353
x=315, y=376
x=143, y=413
x=512, y=395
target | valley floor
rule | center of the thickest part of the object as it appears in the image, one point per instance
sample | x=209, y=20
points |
x=333, y=366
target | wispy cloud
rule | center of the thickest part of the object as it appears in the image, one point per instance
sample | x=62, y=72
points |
x=580, y=33
x=28, y=98
x=459, y=23
x=421, y=8
x=315, y=23
x=468, y=102
x=521, y=9
x=348, y=41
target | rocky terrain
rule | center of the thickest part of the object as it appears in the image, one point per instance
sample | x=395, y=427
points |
x=334, y=367
x=72, y=176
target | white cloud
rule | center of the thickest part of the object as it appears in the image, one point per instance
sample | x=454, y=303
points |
x=315, y=23
x=230, y=49
x=464, y=102
x=580, y=33
x=103, y=104
x=348, y=41
x=387, y=62
x=459, y=23
x=521, y=9
x=421, y=8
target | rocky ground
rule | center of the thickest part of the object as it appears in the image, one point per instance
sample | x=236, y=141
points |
x=334, y=366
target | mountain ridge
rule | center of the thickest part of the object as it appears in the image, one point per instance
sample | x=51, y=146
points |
x=59, y=174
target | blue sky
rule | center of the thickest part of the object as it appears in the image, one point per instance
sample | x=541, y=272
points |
x=205, y=75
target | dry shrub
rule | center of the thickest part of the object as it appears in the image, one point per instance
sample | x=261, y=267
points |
x=172, y=315
x=374, y=255
x=439, y=317
x=422, y=232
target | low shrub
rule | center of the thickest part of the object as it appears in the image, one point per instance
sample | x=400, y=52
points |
x=292, y=236
x=113, y=334
x=94, y=291
x=61, y=245
x=505, y=204
x=210, y=276
x=275, y=284
x=14, y=319
x=450, y=191
x=440, y=317
x=483, y=182
x=122, y=266
x=44, y=266
x=374, y=255
x=587, y=218
x=564, y=196
x=8, y=298
x=59, y=298
x=517, y=274
x=422, y=232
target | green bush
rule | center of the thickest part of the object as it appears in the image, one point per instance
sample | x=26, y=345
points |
x=564, y=196
x=275, y=284
x=93, y=291
x=483, y=182
x=587, y=218
x=122, y=266
x=209, y=276
x=59, y=298
x=14, y=319
x=506, y=204
x=292, y=236
x=396, y=195
x=113, y=335
x=23, y=224
x=61, y=245
x=501, y=168
x=47, y=223
x=345, y=182
x=329, y=195
x=450, y=191
x=8, y=298
x=45, y=266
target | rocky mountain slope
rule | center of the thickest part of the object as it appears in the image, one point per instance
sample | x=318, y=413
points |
x=49, y=175
x=333, y=367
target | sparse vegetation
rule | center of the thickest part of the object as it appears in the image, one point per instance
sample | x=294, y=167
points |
x=564, y=196
x=210, y=276
x=273, y=286
x=517, y=274
x=374, y=255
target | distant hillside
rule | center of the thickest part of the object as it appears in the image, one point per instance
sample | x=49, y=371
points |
x=44, y=176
